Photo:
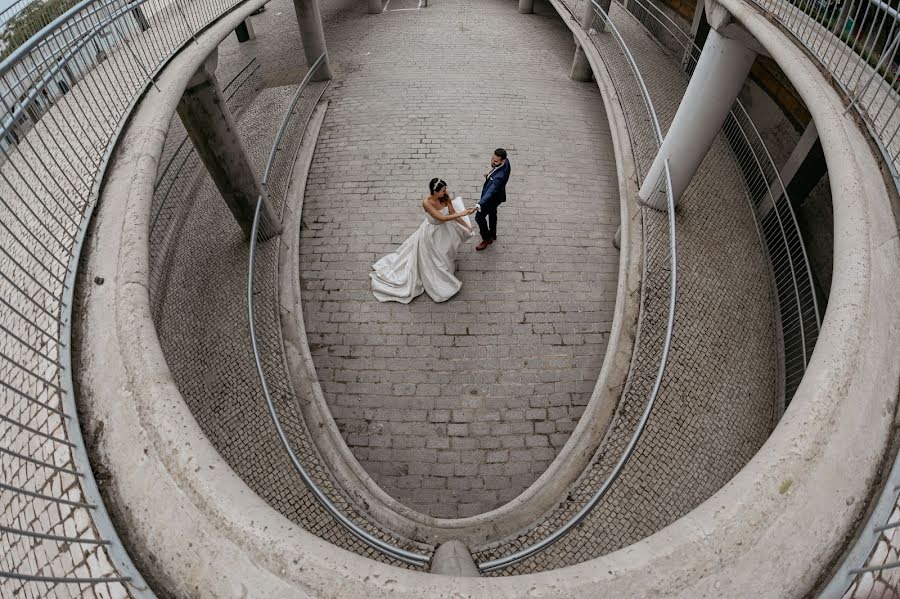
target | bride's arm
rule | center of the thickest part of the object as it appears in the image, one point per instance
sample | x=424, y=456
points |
x=438, y=215
x=462, y=223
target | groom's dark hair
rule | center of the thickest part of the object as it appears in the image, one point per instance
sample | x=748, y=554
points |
x=500, y=153
x=435, y=184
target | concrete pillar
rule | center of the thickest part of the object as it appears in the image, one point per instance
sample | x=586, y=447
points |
x=211, y=127
x=309, y=17
x=581, y=68
x=375, y=7
x=244, y=31
x=698, y=18
x=807, y=153
x=526, y=7
x=453, y=559
x=795, y=160
x=721, y=71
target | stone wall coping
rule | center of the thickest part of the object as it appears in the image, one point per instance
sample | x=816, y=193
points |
x=197, y=530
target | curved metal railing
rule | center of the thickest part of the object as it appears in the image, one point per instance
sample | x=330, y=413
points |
x=588, y=507
x=792, y=278
x=167, y=214
x=777, y=226
x=858, y=43
x=408, y=557
x=65, y=94
x=871, y=567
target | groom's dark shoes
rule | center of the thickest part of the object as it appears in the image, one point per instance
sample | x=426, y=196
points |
x=484, y=244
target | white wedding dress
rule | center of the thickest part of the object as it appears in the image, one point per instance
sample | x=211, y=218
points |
x=426, y=261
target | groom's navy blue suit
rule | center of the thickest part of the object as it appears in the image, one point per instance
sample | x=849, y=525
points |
x=493, y=193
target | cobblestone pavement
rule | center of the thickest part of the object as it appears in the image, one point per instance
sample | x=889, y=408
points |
x=456, y=408
x=207, y=343
x=718, y=399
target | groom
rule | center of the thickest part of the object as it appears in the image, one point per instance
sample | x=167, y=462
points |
x=493, y=193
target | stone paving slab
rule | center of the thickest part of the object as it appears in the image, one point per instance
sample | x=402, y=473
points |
x=456, y=408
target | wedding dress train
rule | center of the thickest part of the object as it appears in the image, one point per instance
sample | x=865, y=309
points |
x=426, y=261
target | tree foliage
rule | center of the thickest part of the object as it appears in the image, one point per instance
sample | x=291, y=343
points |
x=28, y=21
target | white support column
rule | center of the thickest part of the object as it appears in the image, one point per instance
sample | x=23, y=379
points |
x=721, y=71
x=309, y=18
x=526, y=7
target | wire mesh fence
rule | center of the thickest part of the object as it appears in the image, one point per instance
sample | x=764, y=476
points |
x=70, y=74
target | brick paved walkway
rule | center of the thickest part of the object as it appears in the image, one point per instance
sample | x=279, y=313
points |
x=456, y=408
x=718, y=397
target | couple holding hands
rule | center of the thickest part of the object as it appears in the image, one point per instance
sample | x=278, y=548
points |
x=426, y=261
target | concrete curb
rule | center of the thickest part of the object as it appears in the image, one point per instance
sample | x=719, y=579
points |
x=198, y=531
x=550, y=488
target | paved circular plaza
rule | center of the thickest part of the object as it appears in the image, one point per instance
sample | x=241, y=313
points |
x=456, y=408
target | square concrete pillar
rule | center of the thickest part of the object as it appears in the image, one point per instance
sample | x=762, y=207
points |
x=244, y=31
x=212, y=129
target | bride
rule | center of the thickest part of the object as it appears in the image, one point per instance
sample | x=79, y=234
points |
x=427, y=259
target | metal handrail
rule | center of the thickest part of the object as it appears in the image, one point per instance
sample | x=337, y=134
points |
x=648, y=102
x=55, y=146
x=575, y=520
x=402, y=555
x=818, y=27
x=763, y=165
x=854, y=564
x=588, y=507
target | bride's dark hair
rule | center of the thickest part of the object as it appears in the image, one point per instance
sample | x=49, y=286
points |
x=436, y=185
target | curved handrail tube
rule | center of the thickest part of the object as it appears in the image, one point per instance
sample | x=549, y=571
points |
x=586, y=509
x=402, y=555
x=764, y=166
x=56, y=145
x=648, y=102
x=569, y=525
x=287, y=117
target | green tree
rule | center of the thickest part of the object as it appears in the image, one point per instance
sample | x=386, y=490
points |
x=28, y=21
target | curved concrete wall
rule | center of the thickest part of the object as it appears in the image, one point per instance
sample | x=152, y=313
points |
x=549, y=489
x=767, y=533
